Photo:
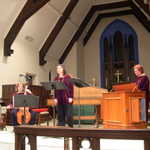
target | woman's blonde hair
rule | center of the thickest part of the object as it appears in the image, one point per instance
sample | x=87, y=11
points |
x=139, y=68
x=18, y=84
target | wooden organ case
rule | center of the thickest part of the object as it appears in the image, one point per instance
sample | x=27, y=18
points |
x=86, y=96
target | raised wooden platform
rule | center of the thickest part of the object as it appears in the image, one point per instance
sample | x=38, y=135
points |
x=77, y=134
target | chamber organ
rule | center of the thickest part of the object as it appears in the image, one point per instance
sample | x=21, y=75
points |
x=86, y=96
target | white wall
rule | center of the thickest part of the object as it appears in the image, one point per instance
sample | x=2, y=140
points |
x=74, y=63
x=70, y=62
x=25, y=59
x=91, y=50
x=80, y=60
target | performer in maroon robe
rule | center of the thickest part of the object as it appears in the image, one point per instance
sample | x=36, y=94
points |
x=142, y=82
x=64, y=98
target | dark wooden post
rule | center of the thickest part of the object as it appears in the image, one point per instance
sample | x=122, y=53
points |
x=147, y=144
x=75, y=143
x=95, y=144
x=19, y=142
x=32, y=142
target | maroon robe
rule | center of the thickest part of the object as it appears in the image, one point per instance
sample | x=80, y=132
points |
x=63, y=95
x=142, y=83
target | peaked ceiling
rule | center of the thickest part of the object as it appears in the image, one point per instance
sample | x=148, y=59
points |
x=57, y=20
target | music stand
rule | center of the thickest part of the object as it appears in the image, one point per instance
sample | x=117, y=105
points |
x=80, y=84
x=26, y=101
x=54, y=85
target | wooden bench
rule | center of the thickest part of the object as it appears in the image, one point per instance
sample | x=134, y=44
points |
x=77, y=134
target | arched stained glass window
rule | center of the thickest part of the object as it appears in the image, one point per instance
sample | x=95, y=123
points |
x=118, y=53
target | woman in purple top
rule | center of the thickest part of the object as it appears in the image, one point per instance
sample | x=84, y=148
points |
x=142, y=82
x=64, y=98
x=21, y=89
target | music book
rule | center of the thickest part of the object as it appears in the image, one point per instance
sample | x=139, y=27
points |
x=54, y=85
x=26, y=101
x=79, y=83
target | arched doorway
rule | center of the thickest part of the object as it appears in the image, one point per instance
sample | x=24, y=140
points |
x=118, y=53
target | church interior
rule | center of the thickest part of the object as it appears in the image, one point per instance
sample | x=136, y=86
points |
x=99, y=42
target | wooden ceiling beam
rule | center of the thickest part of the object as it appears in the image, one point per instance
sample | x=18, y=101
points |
x=30, y=8
x=102, y=16
x=112, y=5
x=141, y=16
x=135, y=11
x=52, y=36
x=86, y=20
x=77, y=34
x=144, y=6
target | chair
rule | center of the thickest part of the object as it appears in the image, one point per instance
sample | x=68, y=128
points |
x=43, y=115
